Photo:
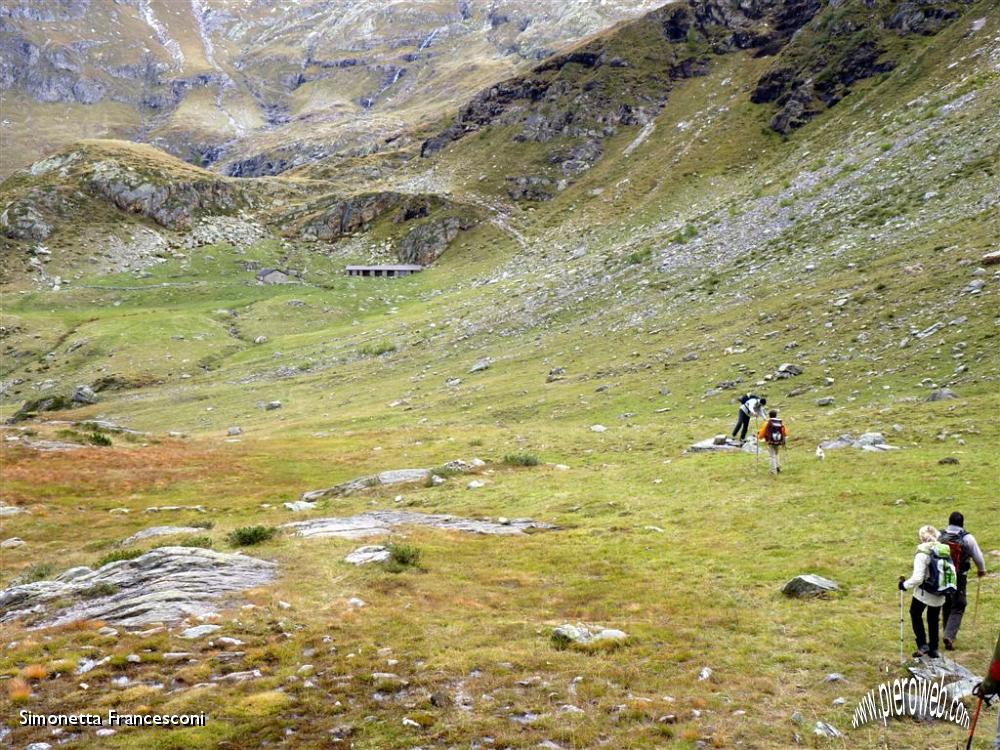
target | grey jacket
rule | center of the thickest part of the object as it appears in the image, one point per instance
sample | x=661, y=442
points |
x=970, y=547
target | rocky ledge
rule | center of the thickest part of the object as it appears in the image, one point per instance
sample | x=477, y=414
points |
x=164, y=585
x=381, y=522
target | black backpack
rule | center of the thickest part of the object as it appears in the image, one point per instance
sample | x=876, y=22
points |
x=958, y=556
x=747, y=396
x=773, y=435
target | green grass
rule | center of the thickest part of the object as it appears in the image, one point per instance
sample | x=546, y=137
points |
x=118, y=554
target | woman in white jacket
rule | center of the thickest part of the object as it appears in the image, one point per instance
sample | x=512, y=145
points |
x=923, y=599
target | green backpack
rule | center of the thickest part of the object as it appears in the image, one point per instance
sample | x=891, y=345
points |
x=941, y=578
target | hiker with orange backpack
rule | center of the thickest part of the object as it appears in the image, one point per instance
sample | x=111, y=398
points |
x=774, y=433
x=964, y=551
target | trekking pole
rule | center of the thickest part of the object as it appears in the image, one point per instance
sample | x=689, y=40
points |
x=975, y=610
x=975, y=720
x=756, y=443
x=901, y=624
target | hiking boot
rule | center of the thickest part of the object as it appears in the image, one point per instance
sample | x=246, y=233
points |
x=933, y=654
x=949, y=644
x=922, y=651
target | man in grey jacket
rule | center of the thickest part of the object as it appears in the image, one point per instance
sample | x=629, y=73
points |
x=964, y=551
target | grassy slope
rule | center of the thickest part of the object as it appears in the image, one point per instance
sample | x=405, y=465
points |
x=703, y=592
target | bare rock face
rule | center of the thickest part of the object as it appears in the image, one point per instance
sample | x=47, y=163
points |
x=173, y=204
x=427, y=241
x=164, y=585
x=381, y=522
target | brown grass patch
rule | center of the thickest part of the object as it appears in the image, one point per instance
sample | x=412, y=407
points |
x=34, y=672
x=18, y=690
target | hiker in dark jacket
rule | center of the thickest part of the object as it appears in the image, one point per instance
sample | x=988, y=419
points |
x=923, y=599
x=750, y=406
x=990, y=686
x=964, y=551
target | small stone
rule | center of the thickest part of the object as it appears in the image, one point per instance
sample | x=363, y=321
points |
x=272, y=405
x=200, y=631
x=12, y=543
x=949, y=461
x=825, y=401
x=942, y=394
x=598, y=428
x=300, y=505
x=475, y=484
x=371, y=553
x=260, y=340
x=356, y=602
x=233, y=431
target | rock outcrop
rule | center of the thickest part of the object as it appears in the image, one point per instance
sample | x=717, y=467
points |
x=809, y=585
x=164, y=585
x=381, y=522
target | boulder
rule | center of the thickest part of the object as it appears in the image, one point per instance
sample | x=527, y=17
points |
x=587, y=636
x=942, y=394
x=11, y=543
x=483, y=364
x=381, y=522
x=788, y=370
x=958, y=680
x=164, y=585
x=991, y=258
x=825, y=401
x=808, y=585
x=371, y=553
x=84, y=394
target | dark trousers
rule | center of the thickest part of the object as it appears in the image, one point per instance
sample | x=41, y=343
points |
x=954, y=608
x=743, y=422
x=917, y=608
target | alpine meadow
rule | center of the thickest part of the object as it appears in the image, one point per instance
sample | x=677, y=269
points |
x=369, y=374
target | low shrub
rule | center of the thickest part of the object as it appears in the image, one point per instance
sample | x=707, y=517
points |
x=119, y=554
x=246, y=536
x=401, y=557
x=521, y=459
x=377, y=348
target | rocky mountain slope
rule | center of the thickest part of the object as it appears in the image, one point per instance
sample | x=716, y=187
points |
x=255, y=87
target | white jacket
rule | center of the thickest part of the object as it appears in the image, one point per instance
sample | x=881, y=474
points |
x=920, y=562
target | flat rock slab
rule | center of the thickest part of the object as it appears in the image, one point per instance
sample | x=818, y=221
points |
x=384, y=478
x=711, y=445
x=371, y=553
x=809, y=585
x=160, y=531
x=381, y=522
x=164, y=585
x=958, y=680
x=869, y=441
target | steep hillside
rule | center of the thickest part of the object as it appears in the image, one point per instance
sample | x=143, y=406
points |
x=541, y=384
x=256, y=86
